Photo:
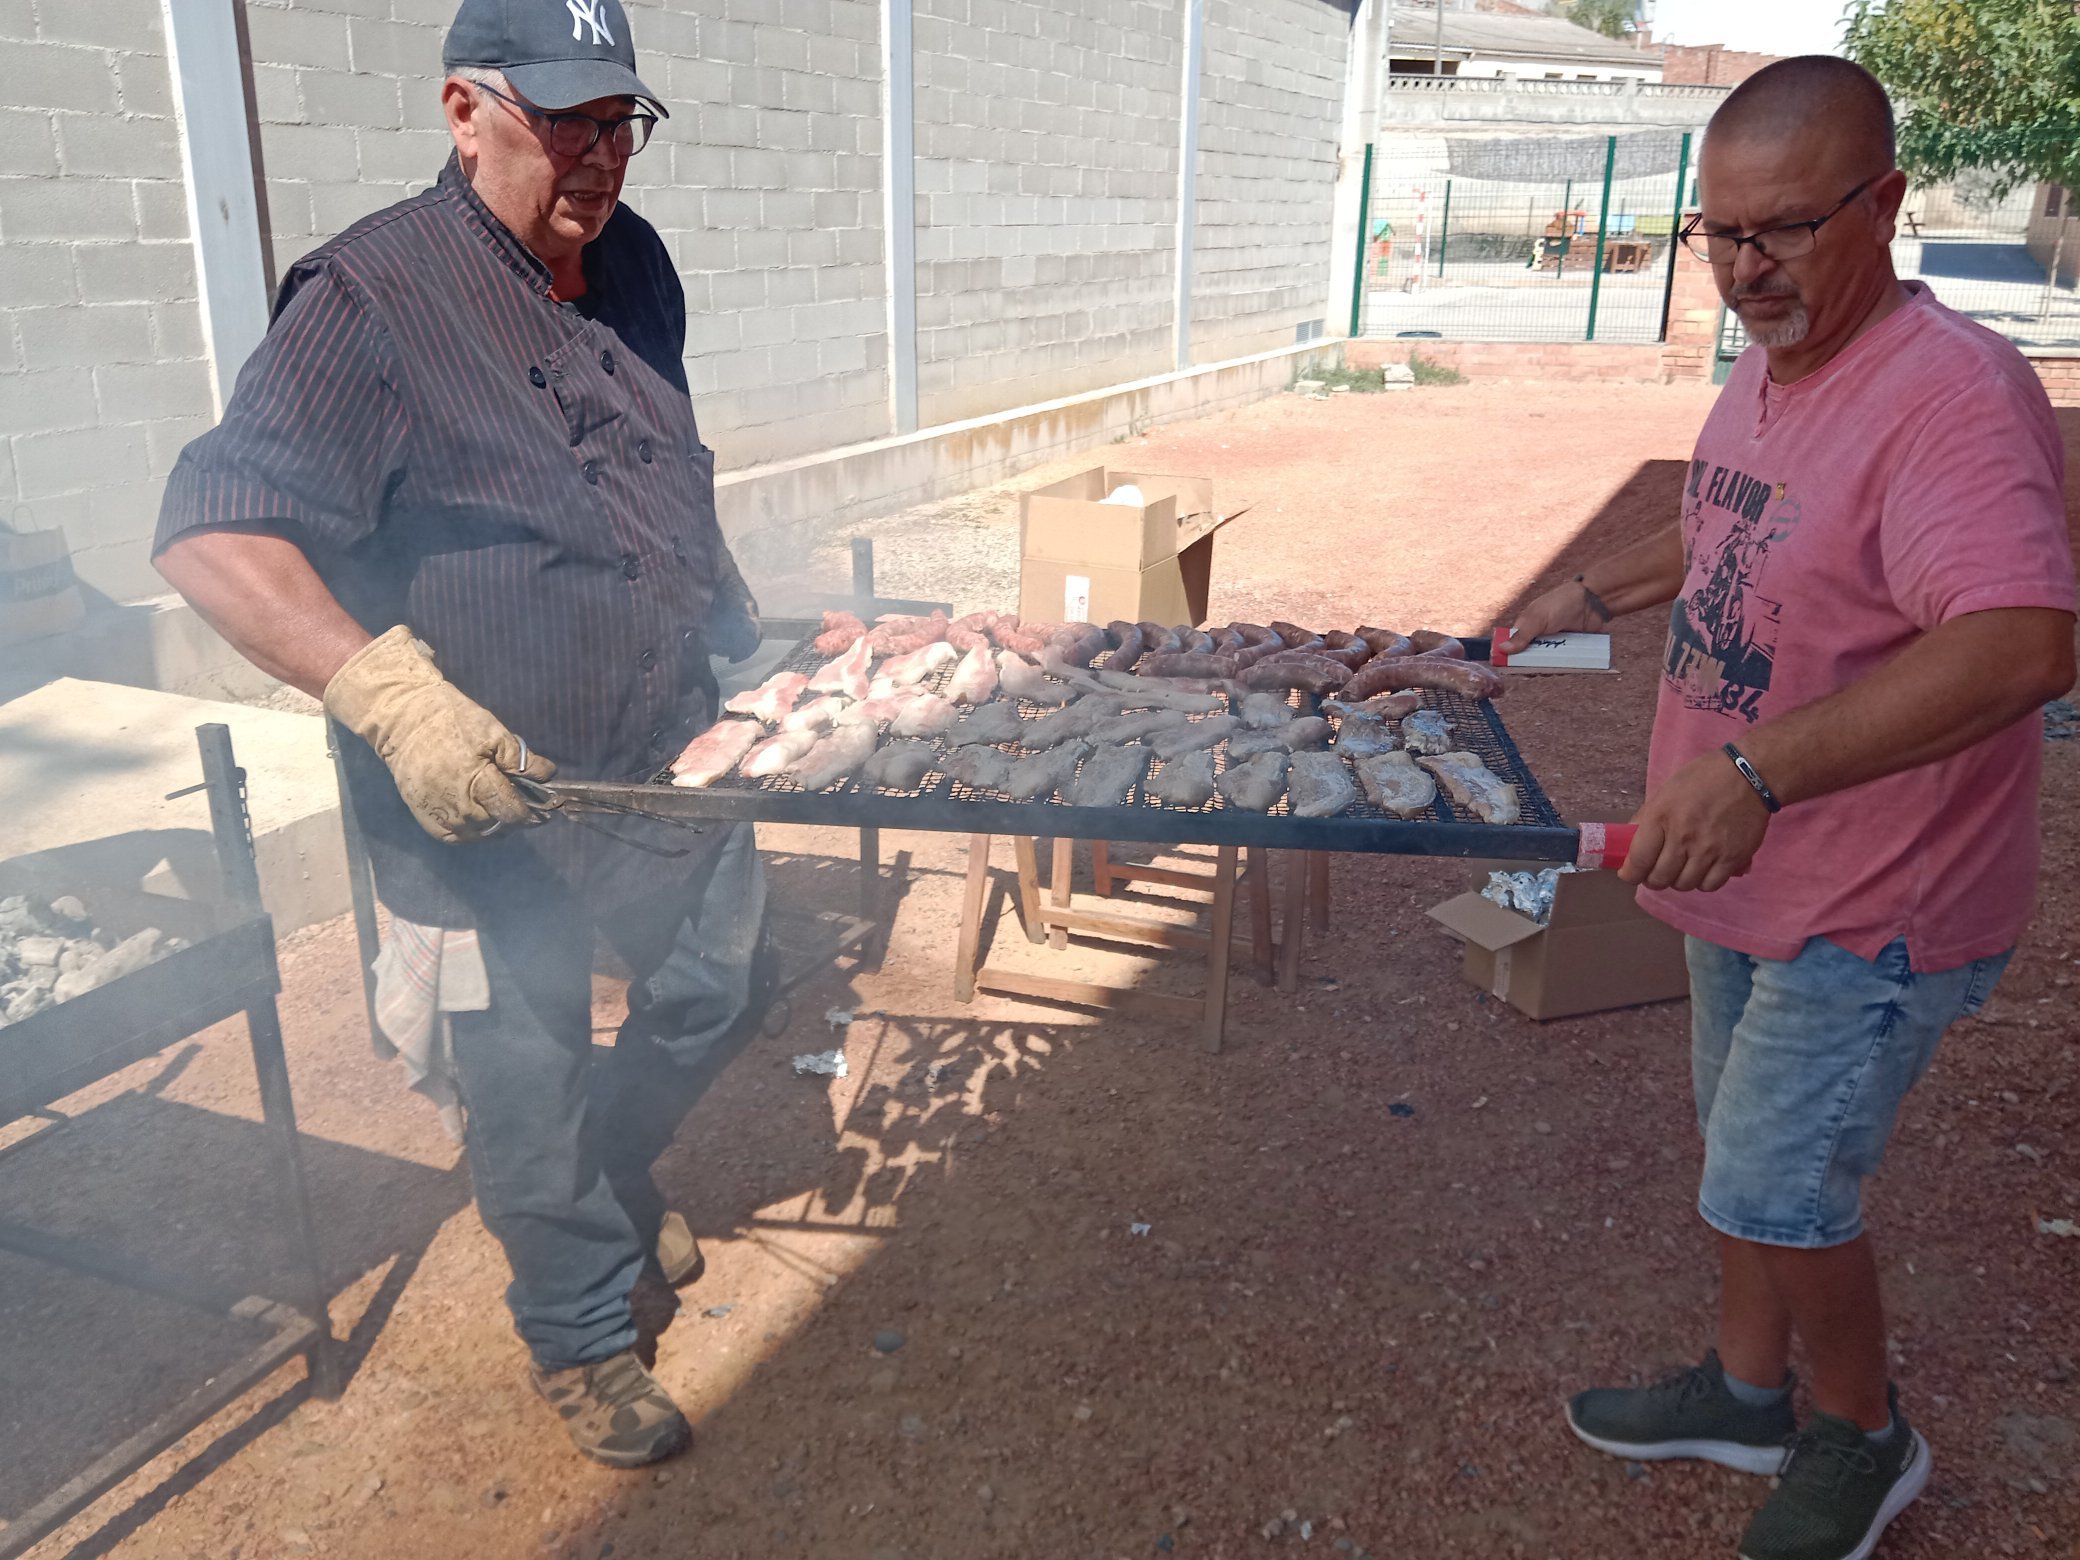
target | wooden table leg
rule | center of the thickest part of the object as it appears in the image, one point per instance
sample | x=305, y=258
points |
x=972, y=902
x=1058, y=885
x=869, y=871
x=1217, y=957
x=1260, y=913
x=1318, y=890
x=1291, y=925
x=1029, y=886
x=1101, y=869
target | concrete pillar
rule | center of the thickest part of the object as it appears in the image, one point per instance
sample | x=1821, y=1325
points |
x=1363, y=82
x=1693, y=318
x=899, y=209
x=1188, y=170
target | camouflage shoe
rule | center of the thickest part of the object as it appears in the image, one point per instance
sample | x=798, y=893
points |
x=615, y=1411
x=1691, y=1414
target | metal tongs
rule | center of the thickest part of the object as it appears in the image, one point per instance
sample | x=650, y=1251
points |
x=546, y=803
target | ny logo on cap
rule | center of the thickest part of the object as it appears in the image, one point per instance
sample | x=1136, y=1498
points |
x=589, y=13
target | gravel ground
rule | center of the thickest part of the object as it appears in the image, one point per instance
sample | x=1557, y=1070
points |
x=1347, y=1329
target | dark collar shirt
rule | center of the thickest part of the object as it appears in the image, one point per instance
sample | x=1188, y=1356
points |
x=521, y=481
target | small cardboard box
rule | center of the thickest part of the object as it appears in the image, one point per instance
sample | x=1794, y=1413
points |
x=1085, y=561
x=1597, y=950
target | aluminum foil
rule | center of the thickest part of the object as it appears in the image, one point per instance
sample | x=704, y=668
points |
x=826, y=1064
x=1527, y=893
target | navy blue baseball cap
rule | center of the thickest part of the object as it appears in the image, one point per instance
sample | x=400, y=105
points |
x=556, y=53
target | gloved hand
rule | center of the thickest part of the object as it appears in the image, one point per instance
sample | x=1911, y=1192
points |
x=449, y=755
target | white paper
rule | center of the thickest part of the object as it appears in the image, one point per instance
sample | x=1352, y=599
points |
x=1076, y=599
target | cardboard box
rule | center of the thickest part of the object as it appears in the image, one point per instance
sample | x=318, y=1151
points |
x=1082, y=560
x=1597, y=950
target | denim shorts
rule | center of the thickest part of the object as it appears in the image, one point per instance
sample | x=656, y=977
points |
x=1800, y=1066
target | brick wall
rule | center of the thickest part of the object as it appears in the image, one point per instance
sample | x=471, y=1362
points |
x=102, y=370
x=1271, y=100
x=1710, y=64
x=2061, y=376
x=1047, y=198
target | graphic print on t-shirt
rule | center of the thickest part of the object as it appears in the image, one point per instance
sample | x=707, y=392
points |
x=1722, y=633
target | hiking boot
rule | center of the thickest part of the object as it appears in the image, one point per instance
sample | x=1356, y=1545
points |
x=676, y=1258
x=615, y=1411
x=1691, y=1414
x=1838, y=1491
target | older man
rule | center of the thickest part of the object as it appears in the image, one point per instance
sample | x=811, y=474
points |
x=1873, y=594
x=459, y=494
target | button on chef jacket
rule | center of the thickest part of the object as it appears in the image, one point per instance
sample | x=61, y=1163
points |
x=519, y=480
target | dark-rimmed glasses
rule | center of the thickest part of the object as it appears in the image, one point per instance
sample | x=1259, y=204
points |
x=1788, y=242
x=573, y=135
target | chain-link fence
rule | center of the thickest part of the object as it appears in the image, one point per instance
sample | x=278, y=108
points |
x=1523, y=238
x=1990, y=255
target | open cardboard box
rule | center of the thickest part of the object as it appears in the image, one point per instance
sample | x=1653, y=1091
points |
x=1597, y=950
x=1085, y=561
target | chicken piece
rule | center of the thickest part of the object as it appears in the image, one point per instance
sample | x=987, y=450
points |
x=983, y=768
x=1186, y=781
x=1194, y=735
x=1116, y=729
x=991, y=723
x=834, y=757
x=1037, y=778
x=879, y=711
x=841, y=631
x=771, y=699
x=1152, y=693
x=1391, y=674
x=1363, y=734
x=1265, y=710
x=1022, y=681
x=974, y=681
x=900, y=765
x=1386, y=706
x=817, y=715
x=847, y=674
x=908, y=670
x=1426, y=731
x=776, y=753
x=927, y=715
x=714, y=753
x=1257, y=785
x=1320, y=785
x=1394, y=784
x=1472, y=785
x=1107, y=776
x=1053, y=730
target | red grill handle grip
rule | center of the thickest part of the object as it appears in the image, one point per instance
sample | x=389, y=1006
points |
x=1604, y=845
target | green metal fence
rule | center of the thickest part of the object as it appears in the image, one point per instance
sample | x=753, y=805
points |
x=1526, y=239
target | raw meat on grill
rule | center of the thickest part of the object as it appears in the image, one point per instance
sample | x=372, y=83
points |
x=1132, y=728
x=841, y=631
x=776, y=753
x=877, y=712
x=1385, y=642
x=906, y=670
x=1308, y=731
x=1152, y=693
x=1385, y=706
x=1185, y=781
x=984, y=768
x=1024, y=681
x=1292, y=634
x=834, y=757
x=1394, y=784
x=1079, y=643
x=714, y=753
x=847, y=674
x=1308, y=673
x=974, y=681
x=1361, y=734
x=1107, y=776
x=900, y=765
x=924, y=716
x=1264, y=710
x=1428, y=641
x=1197, y=734
x=900, y=635
x=771, y=699
x=991, y=723
x=1127, y=637
x=1391, y=674
x=817, y=715
x=1257, y=785
x=1426, y=731
x=1158, y=640
x=1196, y=641
x=1320, y=785
x=1037, y=778
x=1248, y=744
x=1473, y=785
x=1184, y=663
x=971, y=632
x=1062, y=726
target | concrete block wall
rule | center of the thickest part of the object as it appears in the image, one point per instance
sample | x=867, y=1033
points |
x=1271, y=99
x=1046, y=172
x=102, y=370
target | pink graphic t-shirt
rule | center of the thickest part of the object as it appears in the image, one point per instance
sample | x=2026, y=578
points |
x=1826, y=524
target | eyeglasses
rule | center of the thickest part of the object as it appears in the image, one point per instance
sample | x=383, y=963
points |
x=573, y=135
x=1788, y=242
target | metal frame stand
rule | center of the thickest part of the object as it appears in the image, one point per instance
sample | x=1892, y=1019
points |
x=237, y=971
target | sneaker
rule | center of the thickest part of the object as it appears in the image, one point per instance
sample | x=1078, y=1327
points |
x=1838, y=1492
x=678, y=1254
x=615, y=1411
x=1691, y=1414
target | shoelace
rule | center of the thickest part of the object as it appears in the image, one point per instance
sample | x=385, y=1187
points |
x=1685, y=1385
x=1830, y=1461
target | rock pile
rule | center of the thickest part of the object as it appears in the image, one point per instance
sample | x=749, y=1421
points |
x=51, y=953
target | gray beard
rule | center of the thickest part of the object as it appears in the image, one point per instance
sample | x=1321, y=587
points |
x=1786, y=332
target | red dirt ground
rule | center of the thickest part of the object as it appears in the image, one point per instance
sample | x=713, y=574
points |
x=1339, y=1316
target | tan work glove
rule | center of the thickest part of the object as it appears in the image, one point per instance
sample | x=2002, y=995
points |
x=449, y=756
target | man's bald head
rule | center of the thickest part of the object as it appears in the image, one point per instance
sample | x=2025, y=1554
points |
x=1816, y=97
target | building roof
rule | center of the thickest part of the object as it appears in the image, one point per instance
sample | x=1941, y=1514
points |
x=1413, y=29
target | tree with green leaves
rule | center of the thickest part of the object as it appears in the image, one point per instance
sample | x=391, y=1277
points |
x=1986, y=84
x=1612, y=18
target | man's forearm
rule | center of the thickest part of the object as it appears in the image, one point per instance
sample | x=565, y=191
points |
x=1955, y=686
x=1646, y=574
x=260, y=592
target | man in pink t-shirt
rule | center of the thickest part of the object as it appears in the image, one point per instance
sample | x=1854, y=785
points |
x=1871, y=596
